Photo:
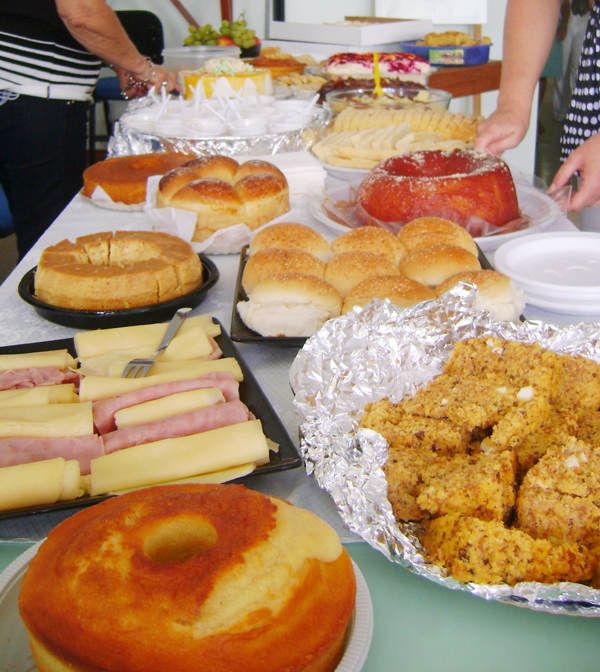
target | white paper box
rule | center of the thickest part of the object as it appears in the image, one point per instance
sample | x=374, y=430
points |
x=380, y=31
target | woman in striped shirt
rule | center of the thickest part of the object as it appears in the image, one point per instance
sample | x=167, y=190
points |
x=51, y=52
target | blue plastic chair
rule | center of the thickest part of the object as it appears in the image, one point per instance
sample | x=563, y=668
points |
x=6, y=221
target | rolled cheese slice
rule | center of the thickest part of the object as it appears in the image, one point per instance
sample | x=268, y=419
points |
x=192, y=345
x=139, y=337
x=92, y=388
x=39, y=483
x=38, y=396
x=60, y=359
x=47, y=421
x=172, y=459
x=166, y=407
x=214, y=477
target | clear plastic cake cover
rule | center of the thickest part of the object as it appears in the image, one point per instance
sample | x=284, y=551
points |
x=382, y=351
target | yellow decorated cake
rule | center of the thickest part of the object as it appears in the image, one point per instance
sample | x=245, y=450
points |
x=230, y=75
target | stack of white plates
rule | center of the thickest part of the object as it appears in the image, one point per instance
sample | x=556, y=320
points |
x=557, y=271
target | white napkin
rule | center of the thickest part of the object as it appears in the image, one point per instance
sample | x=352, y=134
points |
x=301, y=170
x=101, y=198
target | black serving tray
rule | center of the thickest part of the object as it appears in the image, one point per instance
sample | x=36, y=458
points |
x=105, y=319
x=243, y=334
x=250, y=393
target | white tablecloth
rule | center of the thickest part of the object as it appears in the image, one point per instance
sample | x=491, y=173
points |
x=20, y=323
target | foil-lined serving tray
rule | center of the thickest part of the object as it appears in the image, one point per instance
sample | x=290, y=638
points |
x=127, y=141
x=382, y=351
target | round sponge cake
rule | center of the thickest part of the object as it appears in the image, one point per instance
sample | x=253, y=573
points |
x=124, y=178
x=116, y=271
x=189, y=578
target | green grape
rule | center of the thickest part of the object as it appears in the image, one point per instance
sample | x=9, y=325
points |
x=224, y=24
x=192, y=29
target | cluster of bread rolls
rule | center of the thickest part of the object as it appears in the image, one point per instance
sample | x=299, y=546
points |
x=224, y=193
x=441, y=254
x=360, y=138
x=295, y=279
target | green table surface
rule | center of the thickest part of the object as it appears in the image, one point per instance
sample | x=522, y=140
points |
x=423, y=627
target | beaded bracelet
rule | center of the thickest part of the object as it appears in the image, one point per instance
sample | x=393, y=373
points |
x=134, y=81
x=145, y=82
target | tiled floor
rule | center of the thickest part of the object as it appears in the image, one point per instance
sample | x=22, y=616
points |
x=547, y=163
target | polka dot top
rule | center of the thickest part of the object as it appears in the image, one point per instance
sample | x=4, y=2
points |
x=582, y=120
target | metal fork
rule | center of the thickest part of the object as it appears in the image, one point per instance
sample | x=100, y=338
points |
x=142, y=365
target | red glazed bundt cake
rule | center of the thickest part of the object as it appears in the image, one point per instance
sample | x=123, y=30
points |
x=461, y=185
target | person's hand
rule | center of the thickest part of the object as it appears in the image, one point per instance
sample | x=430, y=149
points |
x=502, y=130
x=586, y=160
x=135, y=85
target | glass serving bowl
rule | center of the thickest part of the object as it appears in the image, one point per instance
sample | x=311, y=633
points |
x=395, y=97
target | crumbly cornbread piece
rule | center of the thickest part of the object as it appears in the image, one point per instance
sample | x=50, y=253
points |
x=429, y=473
x=554, y=432
x=588, y=426
x=519, y=421
x=521, y=364
x=466, y=400
x=579, y=383
x=501, y=414
x=436, y=435
x=559, y=498
x=405, y=470
x=481, y=485
x=477, y=551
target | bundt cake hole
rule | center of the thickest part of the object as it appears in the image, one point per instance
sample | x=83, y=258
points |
x=179, y=540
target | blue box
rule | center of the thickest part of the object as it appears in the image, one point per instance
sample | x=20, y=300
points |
x=450, y=56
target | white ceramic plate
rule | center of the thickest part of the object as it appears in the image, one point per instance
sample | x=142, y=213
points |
x=568, y=307
x=562, y=263
x=342, y=172
x=14, y=641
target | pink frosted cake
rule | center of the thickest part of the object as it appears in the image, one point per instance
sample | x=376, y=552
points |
x=406, y=67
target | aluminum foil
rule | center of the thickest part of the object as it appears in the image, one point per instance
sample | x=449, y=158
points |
x=383, y=351
x=126, y=141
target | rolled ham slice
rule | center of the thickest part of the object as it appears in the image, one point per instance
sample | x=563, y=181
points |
x=104, y=409
x=48, y=375
x=24, y=449
x=184, y=424
x=216, y=353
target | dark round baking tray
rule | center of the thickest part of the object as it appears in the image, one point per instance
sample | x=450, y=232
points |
x=90, y=319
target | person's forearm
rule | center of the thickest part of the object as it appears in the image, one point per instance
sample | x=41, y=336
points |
x=96, y=27
x=529, y=31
